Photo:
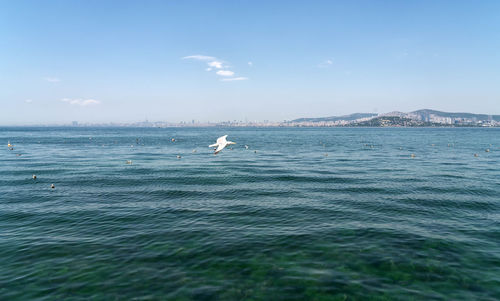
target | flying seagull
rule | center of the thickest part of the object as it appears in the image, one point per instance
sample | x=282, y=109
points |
x=220, y=144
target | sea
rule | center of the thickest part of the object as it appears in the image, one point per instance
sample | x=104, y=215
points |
x=284, y=214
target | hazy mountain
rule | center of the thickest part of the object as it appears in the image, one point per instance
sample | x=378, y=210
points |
x=425, y=114
x=350, y=117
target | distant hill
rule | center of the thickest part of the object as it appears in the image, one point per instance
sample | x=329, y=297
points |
x=350, y=117
x=391, y=120
x=425, y=114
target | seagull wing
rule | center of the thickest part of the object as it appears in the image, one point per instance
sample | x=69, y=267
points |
x=220, y=147
x=221, y=140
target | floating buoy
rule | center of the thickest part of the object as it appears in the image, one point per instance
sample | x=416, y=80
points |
x=178, y=157
x=52, y=186
x=34, y=177
x=173, y=140
x=129, y=161
x=487, y=150
x=476, y=155
x=412, y=155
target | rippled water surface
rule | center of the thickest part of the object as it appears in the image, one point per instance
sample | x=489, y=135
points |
x=302, y=214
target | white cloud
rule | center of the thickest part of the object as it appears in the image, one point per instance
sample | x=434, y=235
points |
x=52, y=79
x=250, y=64
x=199, y=57
x=225, y=73
x=234, y=78
x=325, y=64
x=215, y=64
x=28, y=101
x=212, y=62
x=81, y=102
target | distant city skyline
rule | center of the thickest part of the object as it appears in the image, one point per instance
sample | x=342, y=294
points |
x=127, y=61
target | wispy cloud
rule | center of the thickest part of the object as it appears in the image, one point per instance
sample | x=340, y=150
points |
x=250, y=64
x=52, y=79
x=225, y=73
x=233, y=79
x=199, y=57
x=402, y=55
x=325, y=63
x=214, y=64
x=28, y=101
x=81, y=102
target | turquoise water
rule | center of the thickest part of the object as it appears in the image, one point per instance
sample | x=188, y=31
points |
x=313, y=214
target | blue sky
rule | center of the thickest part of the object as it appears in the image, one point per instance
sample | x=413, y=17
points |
x=99, y=61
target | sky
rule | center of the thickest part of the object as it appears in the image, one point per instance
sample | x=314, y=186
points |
x=128, y=61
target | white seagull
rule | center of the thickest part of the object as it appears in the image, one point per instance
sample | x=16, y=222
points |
x=220, y=144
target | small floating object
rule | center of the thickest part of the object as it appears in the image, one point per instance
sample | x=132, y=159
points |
x=487, y=150
x=9, y=145
x=246, y=146
x=476, y=155
x=19, y=155
x=52, y=186
x=412, y=155
x=255, y=151
x=131, y=145
x=194, y=151
x=11, y=148
x=178, y=157
x=129, y=161
x=326, y=154
x=173, y=140
x=433, y=144
x=34, y=177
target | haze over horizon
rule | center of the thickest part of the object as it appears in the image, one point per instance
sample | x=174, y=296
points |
x=127, y=61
